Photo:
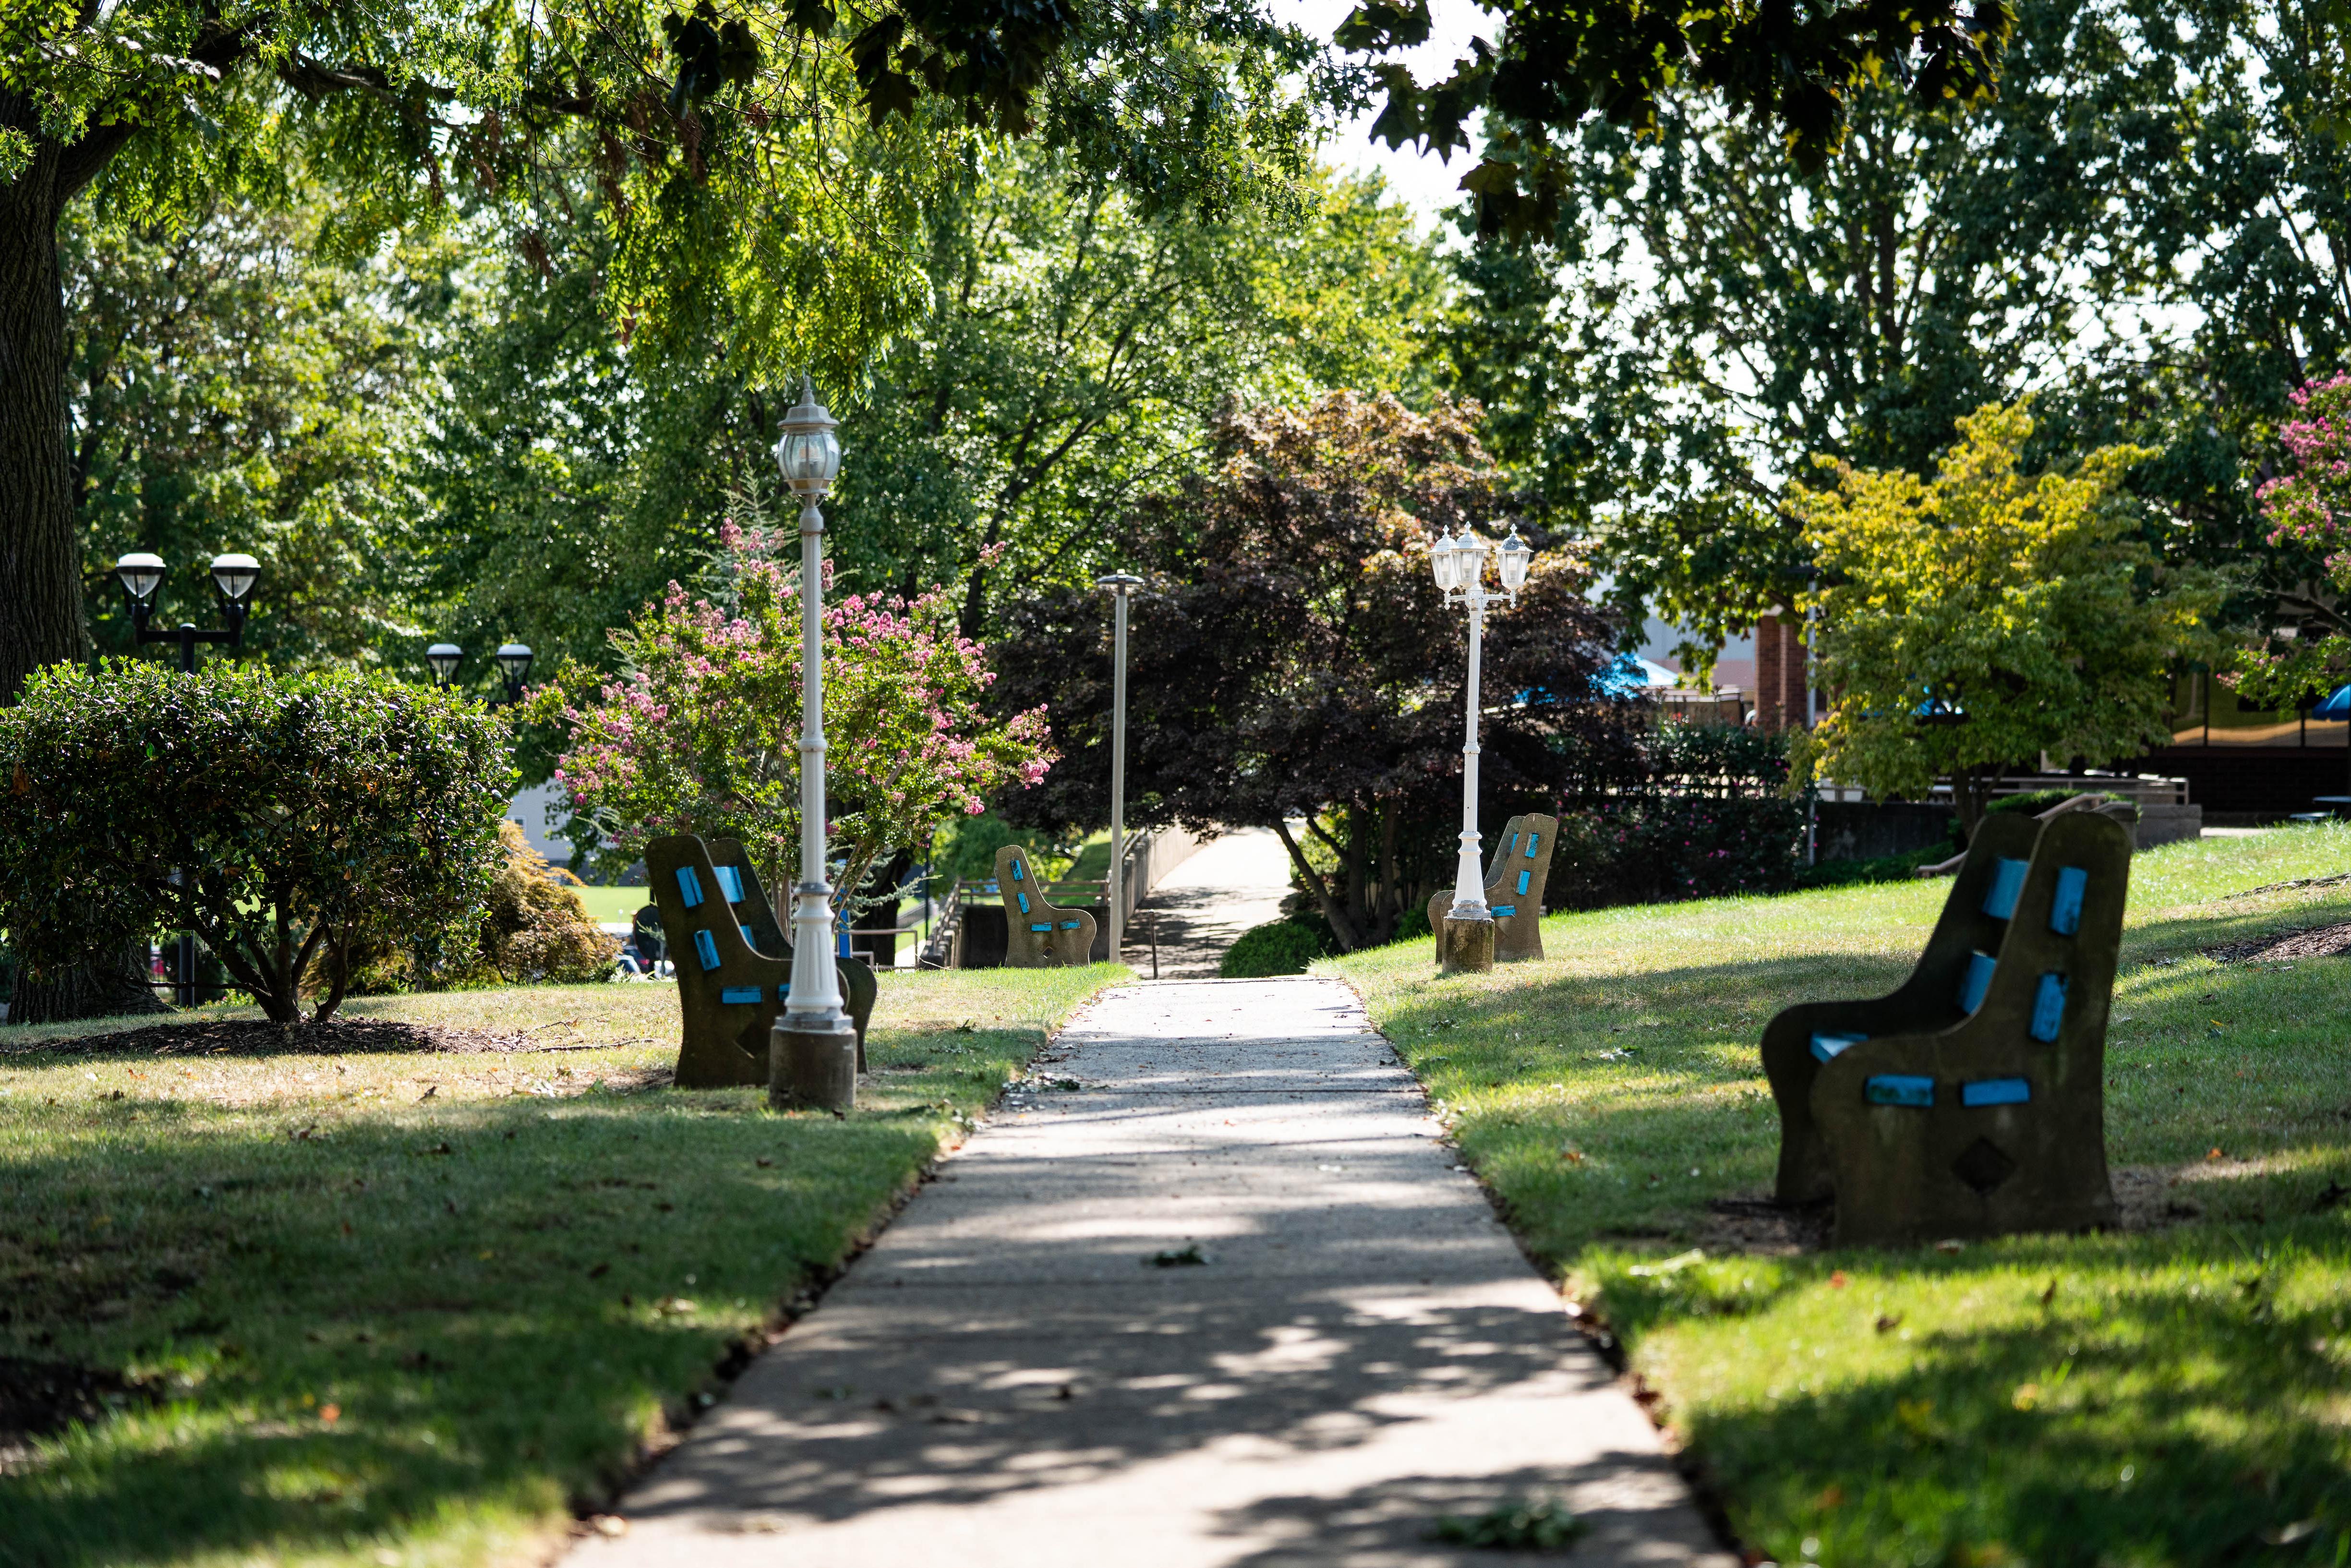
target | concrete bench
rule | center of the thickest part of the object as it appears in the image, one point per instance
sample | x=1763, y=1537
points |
x=1970, y=1100
x=1037, y=934
x=733, y=967
x=1514, y=888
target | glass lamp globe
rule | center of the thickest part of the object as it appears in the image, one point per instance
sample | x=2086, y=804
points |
x=234, y=575
x=514, y=663
x=139, y=573
x=807, y=451
x=1469, y=559
x=1512, y=560
x=445, y=658
x=1440, y=561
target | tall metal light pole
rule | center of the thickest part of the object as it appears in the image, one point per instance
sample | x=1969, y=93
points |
x=812, y=1049
x=1467, y=939
x=141, y=573
x=1120, y=584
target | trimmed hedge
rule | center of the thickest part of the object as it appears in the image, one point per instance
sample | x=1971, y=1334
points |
x=1278, y=947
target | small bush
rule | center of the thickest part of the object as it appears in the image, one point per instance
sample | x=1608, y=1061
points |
x=2035, y=801
x=313, y=814
x=535, y=931
x=1278, y=947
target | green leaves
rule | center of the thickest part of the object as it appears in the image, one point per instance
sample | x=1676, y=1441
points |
x=2023, y=603
x=711, y=53
x=284, y=819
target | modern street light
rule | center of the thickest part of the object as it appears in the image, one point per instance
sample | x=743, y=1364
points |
x=141, y=573
x=513, y=660
x=1120, y=585
x=1458, y=564
x=812, y=1049
x=234, y=575
x=514, y=667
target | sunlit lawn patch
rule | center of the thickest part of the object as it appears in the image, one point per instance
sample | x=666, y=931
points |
x=1611, y=1092
x=415, y=1308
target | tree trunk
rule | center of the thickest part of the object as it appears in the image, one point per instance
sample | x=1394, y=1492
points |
x=102, y=987
x=40, y=569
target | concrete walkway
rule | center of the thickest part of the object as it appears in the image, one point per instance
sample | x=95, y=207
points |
x=1008, y=1378
x=1227, y=886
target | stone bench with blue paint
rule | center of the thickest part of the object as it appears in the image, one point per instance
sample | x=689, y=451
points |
x=1037, y=934
x=1514, y=888
x=1970, y=1100
x=734, y=967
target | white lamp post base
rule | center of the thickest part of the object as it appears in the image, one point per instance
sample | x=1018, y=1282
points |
x=1466, y=947
x=816, y=1068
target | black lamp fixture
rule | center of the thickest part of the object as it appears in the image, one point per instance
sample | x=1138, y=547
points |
x=234, y=575
x=514, y=667
x=513, y=660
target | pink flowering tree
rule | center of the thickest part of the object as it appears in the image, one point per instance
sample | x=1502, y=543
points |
x=2309, y=508
x=701, y=732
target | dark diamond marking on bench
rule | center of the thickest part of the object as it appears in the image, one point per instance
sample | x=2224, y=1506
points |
x=1982, y=1167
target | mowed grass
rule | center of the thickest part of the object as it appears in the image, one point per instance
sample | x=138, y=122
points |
x=417, y=1309
x=2175, y=1394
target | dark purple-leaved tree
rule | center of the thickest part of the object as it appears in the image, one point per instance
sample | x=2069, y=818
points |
x=1291, y=658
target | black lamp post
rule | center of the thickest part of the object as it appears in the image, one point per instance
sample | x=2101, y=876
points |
x=141, y=573
x=513, y=660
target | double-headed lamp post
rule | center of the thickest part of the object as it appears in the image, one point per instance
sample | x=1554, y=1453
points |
x=234, y=575
x=1458, y=564
x=813, y=1049
x=513, y=660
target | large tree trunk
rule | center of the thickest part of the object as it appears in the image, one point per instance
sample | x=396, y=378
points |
x=40, y=572
x=104, y=987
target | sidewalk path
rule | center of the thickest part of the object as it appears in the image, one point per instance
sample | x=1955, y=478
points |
x=1229, y=886
x=1006, y=1382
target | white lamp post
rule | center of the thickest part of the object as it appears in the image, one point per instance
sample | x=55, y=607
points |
x=1120, y=585
x=1458, y=564
x=813, y=1049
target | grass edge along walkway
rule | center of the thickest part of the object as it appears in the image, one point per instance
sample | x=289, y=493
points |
x=2171, y=1395
x=403, y=1308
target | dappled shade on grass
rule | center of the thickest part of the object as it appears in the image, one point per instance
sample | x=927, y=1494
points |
x=399, y=1300
x=1612, y=1099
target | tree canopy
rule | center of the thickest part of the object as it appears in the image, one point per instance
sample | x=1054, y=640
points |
x=1292, y=656
x=1973, y=621
x=757, y=168
x=1792, y=71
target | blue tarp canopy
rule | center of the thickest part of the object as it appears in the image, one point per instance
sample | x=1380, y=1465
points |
x=1631, y=675
x=2337, y=704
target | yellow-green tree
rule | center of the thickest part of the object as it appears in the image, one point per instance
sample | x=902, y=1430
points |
x=1972, y=620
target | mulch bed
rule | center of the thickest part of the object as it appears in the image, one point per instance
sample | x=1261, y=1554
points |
x=41, y=1398
x=2324, y=942
x=245, y=1037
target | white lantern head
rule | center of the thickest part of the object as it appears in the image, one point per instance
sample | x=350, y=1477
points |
x=140, y=574
x=1440, y=560
x=1512, y=560
x=445, y=658
x=807, y=451
x=1469, y=554
x=234, y=575
x=514, y=663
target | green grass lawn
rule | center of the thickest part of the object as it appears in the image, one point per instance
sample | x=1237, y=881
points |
x=615, y=902
x=2175, y=1393
x=417, y=1309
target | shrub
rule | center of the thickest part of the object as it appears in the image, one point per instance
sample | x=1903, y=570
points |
x=1278, y=947
x=314, y=814
x=536, y=929
x=533, y=930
